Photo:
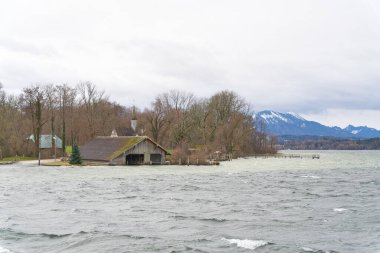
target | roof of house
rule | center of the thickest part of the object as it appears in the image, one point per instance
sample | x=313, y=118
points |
x=46, y=141
x=105, y=148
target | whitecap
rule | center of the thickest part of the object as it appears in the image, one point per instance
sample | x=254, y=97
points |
x=247, y=244
x=340, y=210
x=4, y=250
x=307, y=249
x=310, y=176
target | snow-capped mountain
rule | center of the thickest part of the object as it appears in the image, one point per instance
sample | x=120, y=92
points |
x=363, y=131
x=293, y=124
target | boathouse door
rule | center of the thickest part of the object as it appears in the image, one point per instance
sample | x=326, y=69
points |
x=155, y=158
x=134, y=159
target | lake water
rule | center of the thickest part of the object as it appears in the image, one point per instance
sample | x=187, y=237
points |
x=247, y=205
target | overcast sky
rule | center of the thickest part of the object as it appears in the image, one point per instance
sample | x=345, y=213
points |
x=319, y=58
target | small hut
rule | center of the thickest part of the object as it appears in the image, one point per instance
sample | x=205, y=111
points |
x=47, y=148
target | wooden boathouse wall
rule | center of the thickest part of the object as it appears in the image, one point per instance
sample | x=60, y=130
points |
x=146, y=148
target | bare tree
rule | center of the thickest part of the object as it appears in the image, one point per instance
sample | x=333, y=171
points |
x=201, y=116
x=178, y=105
x=90, y=98
x=33, y=98
x=52, y=99
x=156, y=120
x=67, y=96
x=2, y=95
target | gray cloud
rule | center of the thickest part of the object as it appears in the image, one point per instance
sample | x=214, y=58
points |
x=312, y=57
x=23, y=47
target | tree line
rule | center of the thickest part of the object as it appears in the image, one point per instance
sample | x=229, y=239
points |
x=177, y=120
x=331, y=143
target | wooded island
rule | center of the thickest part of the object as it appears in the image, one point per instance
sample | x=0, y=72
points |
x=184, y=124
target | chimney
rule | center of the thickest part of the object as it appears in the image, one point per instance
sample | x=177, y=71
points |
x=114, y=133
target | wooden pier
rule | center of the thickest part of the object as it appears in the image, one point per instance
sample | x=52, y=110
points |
x=290, y=156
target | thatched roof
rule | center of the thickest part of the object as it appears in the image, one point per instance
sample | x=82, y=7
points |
x=104, y=148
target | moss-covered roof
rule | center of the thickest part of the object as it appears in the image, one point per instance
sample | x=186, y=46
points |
x=128, y=144
x=104, y=148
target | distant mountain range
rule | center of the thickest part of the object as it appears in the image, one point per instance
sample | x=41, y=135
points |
x=292, y=124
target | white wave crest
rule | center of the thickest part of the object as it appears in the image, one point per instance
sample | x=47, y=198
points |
x=310, y=176
x=247, y=244
x=307, y=249
x=4, y=250
x=340, y=210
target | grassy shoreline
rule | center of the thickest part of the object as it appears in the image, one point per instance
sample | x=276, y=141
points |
x=67, y=164
x=17, y=158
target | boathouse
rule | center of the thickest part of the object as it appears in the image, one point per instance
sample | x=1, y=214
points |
x=123, y=150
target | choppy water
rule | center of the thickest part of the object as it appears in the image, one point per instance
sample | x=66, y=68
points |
x=247, y=205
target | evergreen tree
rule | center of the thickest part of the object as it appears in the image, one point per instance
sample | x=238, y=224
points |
x=75, y=155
